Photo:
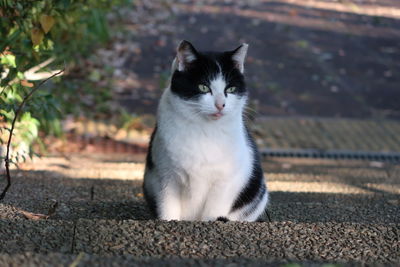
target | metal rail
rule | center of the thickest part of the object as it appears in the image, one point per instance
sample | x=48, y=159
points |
x=332, y=154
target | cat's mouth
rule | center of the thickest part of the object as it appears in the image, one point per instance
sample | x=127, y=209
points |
x=216, y=116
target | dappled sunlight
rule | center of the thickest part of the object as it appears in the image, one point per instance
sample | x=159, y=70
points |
x=286, y=175
x=110, y=187
x=369, y=9
x=387, y=188
x=318, y=186
x=314, y=187
x=332, y=176
x=79, y=167
x=294, y=19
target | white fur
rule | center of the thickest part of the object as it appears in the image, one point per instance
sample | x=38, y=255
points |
x=202, y=163
x=240, y=55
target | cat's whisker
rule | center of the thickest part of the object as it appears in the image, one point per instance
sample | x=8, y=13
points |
x=247, y=109
x=249, y=114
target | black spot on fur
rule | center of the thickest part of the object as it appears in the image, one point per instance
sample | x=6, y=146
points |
x=222, y=219
x=149, y=159
x=203, y=69
x=151, y=202
x=254, y=204
x=255, y=183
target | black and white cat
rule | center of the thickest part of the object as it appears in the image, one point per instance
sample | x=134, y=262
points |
x=202, y=162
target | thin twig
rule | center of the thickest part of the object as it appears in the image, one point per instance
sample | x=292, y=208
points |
x=4, y=89
x=7, y=158
x=269, y=217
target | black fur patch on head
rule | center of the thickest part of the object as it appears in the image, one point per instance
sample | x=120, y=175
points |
x=204, y=68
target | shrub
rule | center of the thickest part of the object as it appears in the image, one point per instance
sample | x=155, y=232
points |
x=36, y=39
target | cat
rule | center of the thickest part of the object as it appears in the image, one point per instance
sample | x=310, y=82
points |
x=202, y=163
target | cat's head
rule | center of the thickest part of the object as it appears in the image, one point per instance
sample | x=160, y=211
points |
x=209, y=85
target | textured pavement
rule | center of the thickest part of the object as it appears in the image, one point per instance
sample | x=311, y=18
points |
x=322, y=211
x=328, y=133
x=372, y=135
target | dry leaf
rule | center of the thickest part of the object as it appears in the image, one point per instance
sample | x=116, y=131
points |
x=46, y=22
x=53, y=207
x=36, y=36
x=26, y=83
x=34, y=216
x=117, y=247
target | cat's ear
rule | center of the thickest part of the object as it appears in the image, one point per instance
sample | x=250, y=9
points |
x=186, y=54
x=239, y=55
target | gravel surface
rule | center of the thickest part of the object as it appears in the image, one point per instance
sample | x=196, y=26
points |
x=321, y=211
x=36, y=236
x=278, y=240
x=83, y=259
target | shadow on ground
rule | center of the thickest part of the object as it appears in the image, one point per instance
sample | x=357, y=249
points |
x=300, y=192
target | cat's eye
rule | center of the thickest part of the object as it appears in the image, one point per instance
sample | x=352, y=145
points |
x=203, y=88
x=230, y=90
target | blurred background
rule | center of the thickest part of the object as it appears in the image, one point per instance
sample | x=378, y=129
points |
x=323, y=76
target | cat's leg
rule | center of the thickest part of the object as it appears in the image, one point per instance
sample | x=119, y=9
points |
x=252, y=211
x=170, y=201
x=193, y=198
x=218, y=202
x=259, y=210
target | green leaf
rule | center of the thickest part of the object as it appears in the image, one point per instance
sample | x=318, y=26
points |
x=8, y=59
x=12, y=73
x=11, y=38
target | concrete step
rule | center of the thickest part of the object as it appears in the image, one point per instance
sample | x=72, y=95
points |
x=276, y=241
x=321, y=210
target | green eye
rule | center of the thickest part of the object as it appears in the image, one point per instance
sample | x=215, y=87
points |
x=231, y=89
x=203, y=88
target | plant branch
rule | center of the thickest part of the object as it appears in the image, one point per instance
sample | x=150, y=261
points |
x=4, y=89
x=33, y=74
x=7, y=158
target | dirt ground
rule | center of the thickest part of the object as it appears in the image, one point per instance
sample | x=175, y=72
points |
x=309, y=58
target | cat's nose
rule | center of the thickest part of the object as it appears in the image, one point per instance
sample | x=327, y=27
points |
x=220, y=106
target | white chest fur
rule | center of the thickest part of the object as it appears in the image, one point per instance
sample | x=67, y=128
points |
x=204, y=148
x=206, y=161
